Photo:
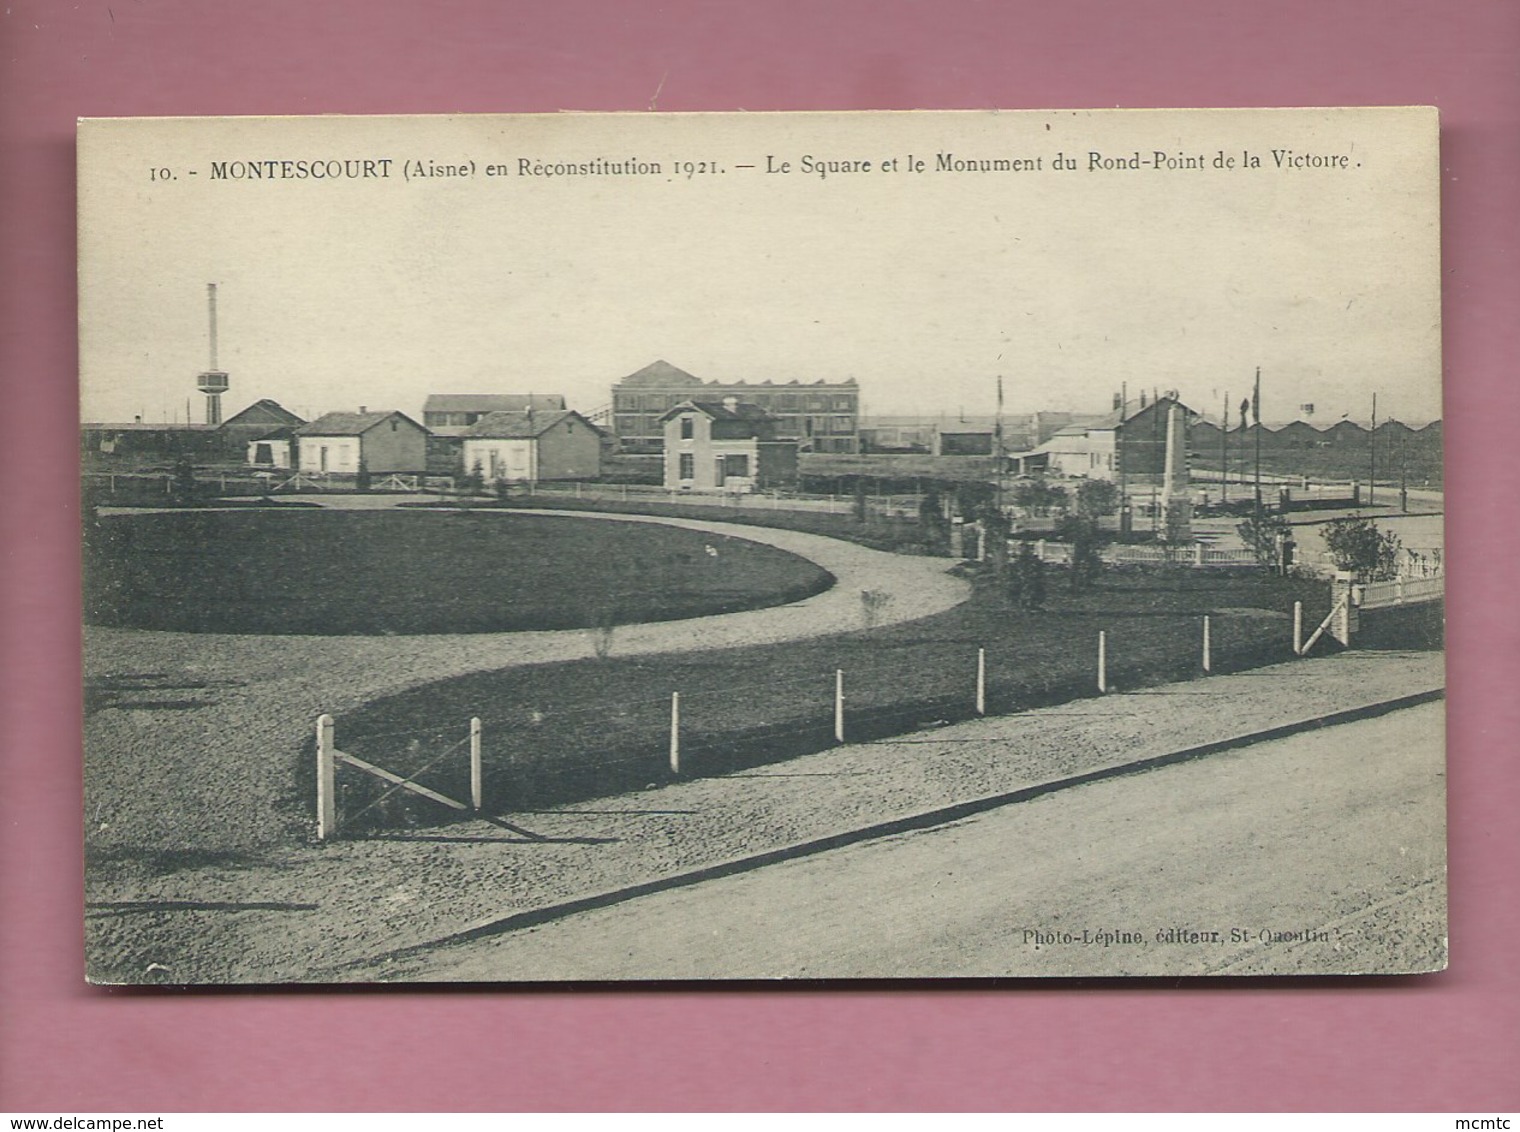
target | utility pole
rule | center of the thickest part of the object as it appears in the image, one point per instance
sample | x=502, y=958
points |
x=1126, y=517
x=1224, y=451
x=1256, y=415
x=997, y=435
x=1372, y=455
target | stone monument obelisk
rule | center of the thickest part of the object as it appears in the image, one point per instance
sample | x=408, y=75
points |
x=1176, y=496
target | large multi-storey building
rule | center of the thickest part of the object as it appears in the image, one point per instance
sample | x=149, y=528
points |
x=821, y=416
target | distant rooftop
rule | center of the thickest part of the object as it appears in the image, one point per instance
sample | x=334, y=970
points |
x=519, y=426
x=662, y=373
x=491, y=402
x=738, y=411
x=349, y=424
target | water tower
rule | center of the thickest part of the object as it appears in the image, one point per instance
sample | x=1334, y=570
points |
x=213, y=383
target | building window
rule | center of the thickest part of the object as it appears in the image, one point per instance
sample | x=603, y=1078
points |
x=736, y=464
x=687, y=426
x=688, y=466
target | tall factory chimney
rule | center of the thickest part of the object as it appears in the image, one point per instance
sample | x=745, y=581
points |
x=213, y=382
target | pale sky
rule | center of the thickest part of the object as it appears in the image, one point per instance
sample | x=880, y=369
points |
x=924, y=287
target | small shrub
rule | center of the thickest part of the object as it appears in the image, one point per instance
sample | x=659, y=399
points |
x=873, y=603
x=1263, y=532
x=1096, y=498
x=1038, y=498
x=1026, y=578
x=1085, y=539
x=1357, y=544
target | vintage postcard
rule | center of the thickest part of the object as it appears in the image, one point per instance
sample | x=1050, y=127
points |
x=762, y=546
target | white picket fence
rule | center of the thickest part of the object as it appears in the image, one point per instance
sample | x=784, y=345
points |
x=1193, y=554
x=1400, y=591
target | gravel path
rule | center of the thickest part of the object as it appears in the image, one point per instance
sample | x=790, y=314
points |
x=216, y=722
x=319, y=913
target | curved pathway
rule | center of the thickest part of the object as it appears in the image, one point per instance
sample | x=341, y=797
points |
x=192, y=737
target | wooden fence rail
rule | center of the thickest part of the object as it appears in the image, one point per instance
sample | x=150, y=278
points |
x=330, y=757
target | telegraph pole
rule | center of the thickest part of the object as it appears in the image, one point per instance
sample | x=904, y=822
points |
x=997, y=435
x=1256, y=414
x=1224, y=451
x=1372, y=454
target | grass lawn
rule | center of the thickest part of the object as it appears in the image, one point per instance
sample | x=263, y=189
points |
x=563, y=732
x=903, y=536
x=334, y=572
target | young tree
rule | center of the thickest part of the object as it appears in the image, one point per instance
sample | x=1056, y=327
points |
x=475, y=482
x=1085, y=539
x=1263, y=533
x=1026, y=578
x=1037, y=497
x=184, y=480
x=931, y=519
x=996, y=527
x=1096, y=498
x=362, y=477
x=973, y=499
x=1357, y=544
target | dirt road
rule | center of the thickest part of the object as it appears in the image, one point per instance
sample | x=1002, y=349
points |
x=1319, y=852
x=355, y=909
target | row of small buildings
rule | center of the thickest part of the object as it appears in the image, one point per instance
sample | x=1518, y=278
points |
x=509, y=436
x=724, y=445
x=707, y=435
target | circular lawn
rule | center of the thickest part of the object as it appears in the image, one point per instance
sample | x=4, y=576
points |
x=371, y=573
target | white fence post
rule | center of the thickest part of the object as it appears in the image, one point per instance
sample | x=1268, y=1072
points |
x=1298, y=628
x=1208, y=661
x=477, y=793
x=327, y=804
x=981, y=681
x=839, y=705
x=1102, y=660
x=675, y=733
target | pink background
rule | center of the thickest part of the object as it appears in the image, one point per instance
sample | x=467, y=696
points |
x=1448, y=1042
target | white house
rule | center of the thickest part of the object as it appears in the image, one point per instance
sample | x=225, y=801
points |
x=725, y=446
x=528, y=447
x=386, y=441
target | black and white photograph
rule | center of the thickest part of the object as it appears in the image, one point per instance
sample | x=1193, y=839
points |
x=779, y=546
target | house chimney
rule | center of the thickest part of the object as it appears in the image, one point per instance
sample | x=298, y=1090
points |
x=363, y=409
